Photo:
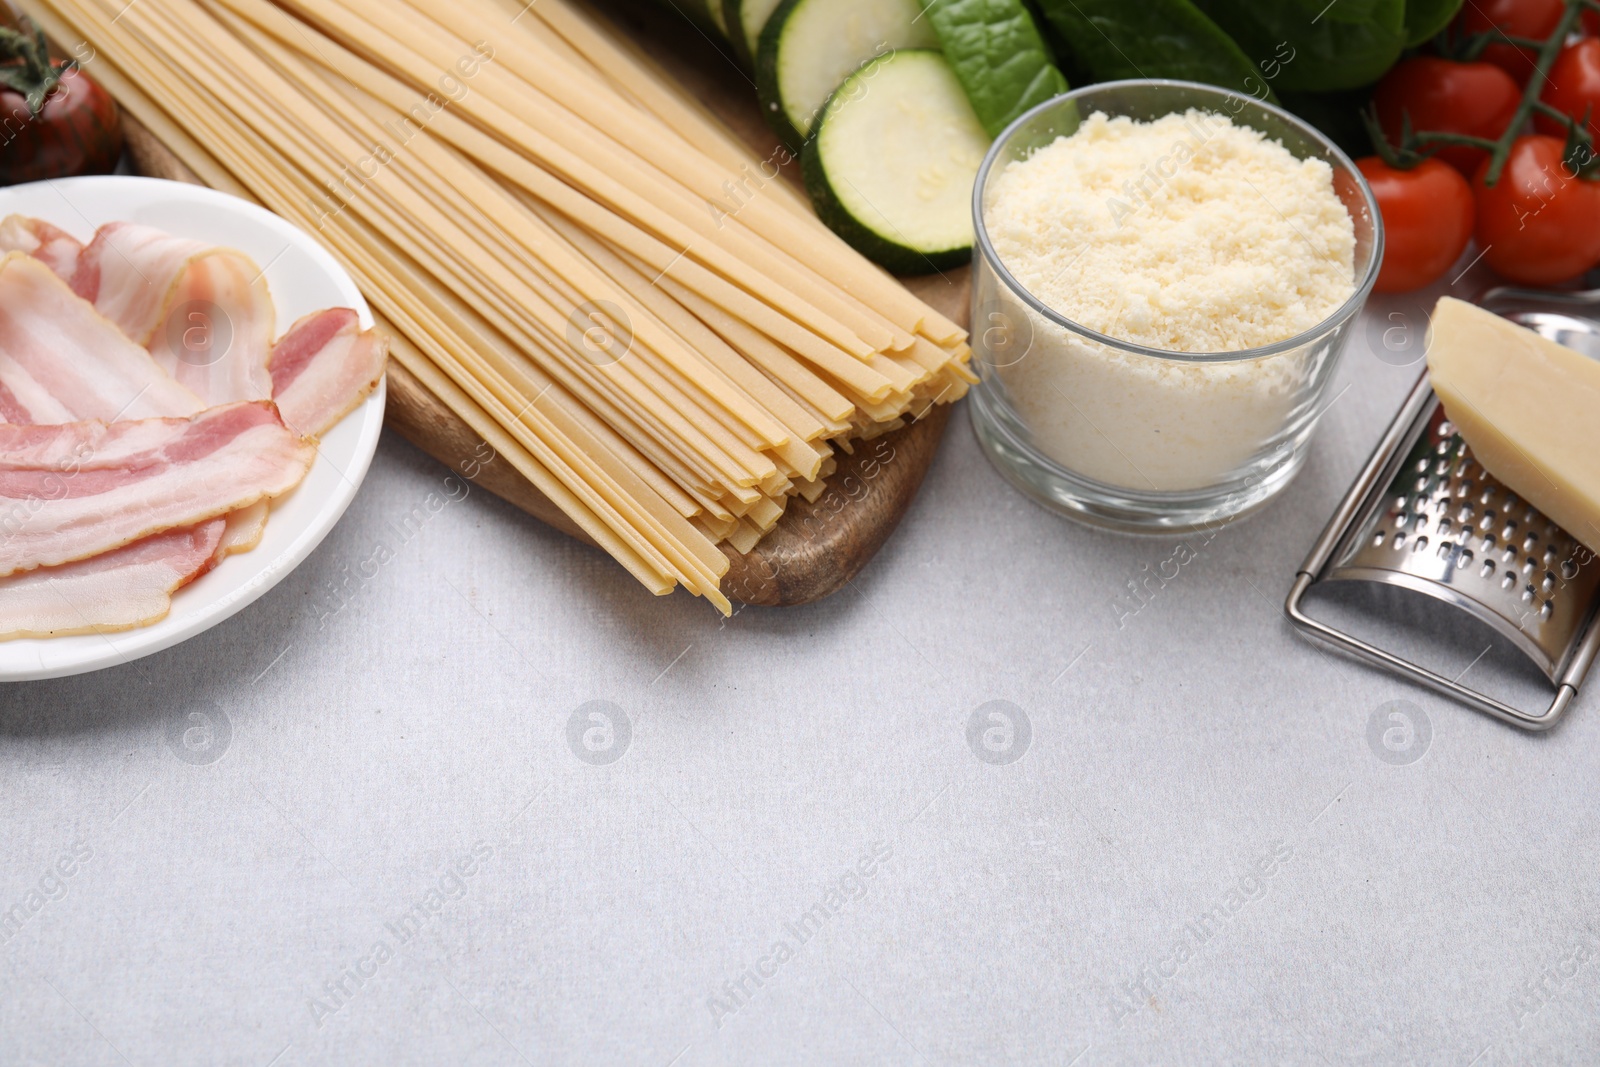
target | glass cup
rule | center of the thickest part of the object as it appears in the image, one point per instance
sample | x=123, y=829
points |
x=1134, y=438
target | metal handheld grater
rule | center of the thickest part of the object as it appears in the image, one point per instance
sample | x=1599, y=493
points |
x=1424, y=515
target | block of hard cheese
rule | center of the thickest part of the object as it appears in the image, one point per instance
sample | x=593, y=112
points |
x=1528, y=408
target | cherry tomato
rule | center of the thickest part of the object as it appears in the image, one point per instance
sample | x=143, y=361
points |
x=1427, y=221
x=1442, y=95
x=1574, y=87
x=1539, y=224
x=77, y=131
x=1533, y=19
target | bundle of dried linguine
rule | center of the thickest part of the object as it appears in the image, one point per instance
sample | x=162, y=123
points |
x=543, y=222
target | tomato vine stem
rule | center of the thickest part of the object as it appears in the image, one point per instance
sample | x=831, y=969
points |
x=1407, y=153
x=25, y=66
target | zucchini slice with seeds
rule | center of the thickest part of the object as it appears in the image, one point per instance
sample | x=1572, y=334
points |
x=745, y=20
x=809, y=47
x=892, y=161
x=718, y=19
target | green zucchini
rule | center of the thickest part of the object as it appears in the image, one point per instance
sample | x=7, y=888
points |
x=745, y=20
x=997, y=54
x=891, y=163
x=718, y=19
x=809, y=47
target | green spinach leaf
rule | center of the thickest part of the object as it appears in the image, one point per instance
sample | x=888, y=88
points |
x=1320, y=46
x=1424, y=18
x=1113, y=39
x=997, y=55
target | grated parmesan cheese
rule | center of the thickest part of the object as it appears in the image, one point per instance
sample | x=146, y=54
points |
x=1188, y=233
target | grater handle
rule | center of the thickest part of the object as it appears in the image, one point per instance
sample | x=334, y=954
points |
x=1421, y=675
x=1562, y=297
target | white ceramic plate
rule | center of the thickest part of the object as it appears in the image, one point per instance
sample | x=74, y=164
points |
x=302, y=278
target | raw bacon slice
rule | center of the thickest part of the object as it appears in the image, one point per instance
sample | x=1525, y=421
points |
x=89, y=365
x=244, y=529
x=211, y=328
x=323, y=367
x=204, y=312
x=127, y=272
x=215, y=331
x=73, y=491
x=117, y=590
x=205, y=320
x=126, y=587
x=61, y=361
x=54, y=247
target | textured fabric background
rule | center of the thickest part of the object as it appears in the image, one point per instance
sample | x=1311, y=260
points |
x=379, y=825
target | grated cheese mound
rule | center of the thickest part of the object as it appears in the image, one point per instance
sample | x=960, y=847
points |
x=1187, y=234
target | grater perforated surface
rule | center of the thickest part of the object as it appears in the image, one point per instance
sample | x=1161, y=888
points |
x=1447, y=528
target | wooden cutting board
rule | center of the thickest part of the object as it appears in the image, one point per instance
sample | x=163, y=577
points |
x=815, y=548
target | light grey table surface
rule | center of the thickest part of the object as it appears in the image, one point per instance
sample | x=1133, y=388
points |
x=1195, y=855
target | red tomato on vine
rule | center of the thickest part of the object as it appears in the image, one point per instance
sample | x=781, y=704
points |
x=1444, y=96
x=1573, y=88
x=1531, y=19
x=1427, y=220
x=1539, y=223
x=55, y=121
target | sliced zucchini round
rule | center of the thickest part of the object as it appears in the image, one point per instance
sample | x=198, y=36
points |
x=745, y=20
x=809, y=47
x=718, y=19
x=892, y=161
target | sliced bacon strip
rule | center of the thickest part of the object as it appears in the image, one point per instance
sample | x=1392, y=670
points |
x=211, y=328
x=12, y=409
x=117, y=590
x=323, y=367
x=127, y=272
x=48, y=334
x=204, y=312
x=61, y=361
x=244, y=529
x=54, y=247
x=215, y=334
x=126, y=587
x=73, y=491
x=207, y=319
